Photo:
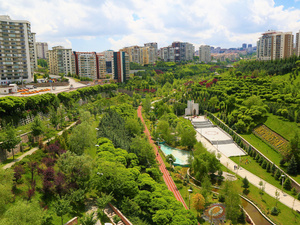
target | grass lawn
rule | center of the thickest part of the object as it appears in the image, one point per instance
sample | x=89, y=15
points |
x=265, y=202
x=264, y=148
x=282, y=126
x=256, y=169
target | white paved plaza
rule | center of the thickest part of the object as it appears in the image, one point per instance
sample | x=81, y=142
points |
x=216, y=136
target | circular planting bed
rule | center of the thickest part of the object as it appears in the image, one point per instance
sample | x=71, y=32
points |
x=215, y=213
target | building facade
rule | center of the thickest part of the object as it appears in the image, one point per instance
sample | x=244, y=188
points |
x=204, y=53
x=17, y=51
x=141, y=55
x=274, y=45
x=183, y=51
x=85, y=64
x=121, y=66
x=41, y=50
x=60, y=60
x=154, y=45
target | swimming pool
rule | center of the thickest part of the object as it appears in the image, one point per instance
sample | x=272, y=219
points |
x=181, y=156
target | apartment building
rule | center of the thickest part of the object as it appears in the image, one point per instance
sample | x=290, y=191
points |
x=184, y=51
x=17, y=51
x=141, y=55
x=41, y=50
x=204, y=53
x=167, y=54
x=274, y=45
x=60, y=60
x=121, y=66
x=101, y=66
x=154, y=45
x=85, y=64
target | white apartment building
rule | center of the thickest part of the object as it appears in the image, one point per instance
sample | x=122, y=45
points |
x=274, y=45
x=59, y=60
x=41, y=50
x=204, y=53
x=17, y=51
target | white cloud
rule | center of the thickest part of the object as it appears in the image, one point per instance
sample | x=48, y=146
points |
x=225, y=23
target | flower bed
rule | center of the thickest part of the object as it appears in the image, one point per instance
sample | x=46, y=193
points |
x=274, y=139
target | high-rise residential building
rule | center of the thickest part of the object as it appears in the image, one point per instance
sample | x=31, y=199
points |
x=60, y=60
x=298, y=44
x=141, y=55
x=17, y=51
x=101, y=66
x=41, y=50
x=250, y=48
x=275, y=45
x=85, y=64
x=167, y=54
x=89, y=64
x=121, y=66
x=154, y=45
x=184, y=51
x=244, y=46
x=204, y=53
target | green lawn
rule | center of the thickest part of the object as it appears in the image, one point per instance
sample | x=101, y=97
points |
x=265, y=202
x=282, y=126
x=256, y=169
x=269, y=152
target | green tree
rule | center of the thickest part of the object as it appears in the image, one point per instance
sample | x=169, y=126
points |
x=11, y=139
x=61, y=207
x=188, y=137
x=54, y=118
x=232, y=201
x=171, y=159
x=37, y=127
x=206, y=187
x=22, y=212
x=147, y=104
x=287, y=184
x=88, y=219
x=82, y=137
x=292, y=166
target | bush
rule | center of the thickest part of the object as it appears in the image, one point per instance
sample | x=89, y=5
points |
x=277, y=174
x=294, y=191
x=274, y=211
x=264, y=164
x=116, y=219
x=287, y=184
x=221, y=198
x=298, y=196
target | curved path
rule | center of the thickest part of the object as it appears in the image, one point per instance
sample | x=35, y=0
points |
x=167, y=177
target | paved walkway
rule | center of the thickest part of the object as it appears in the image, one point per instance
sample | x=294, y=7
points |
x=167, y=177
x=31, y=151
x=253, y=179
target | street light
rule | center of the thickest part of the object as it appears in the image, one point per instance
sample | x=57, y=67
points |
x=282, y=178
x=190, y=190
x=97, y=128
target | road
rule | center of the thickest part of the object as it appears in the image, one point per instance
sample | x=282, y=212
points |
x=166, y=175
x=56, y=90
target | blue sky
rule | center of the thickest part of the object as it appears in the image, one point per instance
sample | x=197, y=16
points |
x=98, y=25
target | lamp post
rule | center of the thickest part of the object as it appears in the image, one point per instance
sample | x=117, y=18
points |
x=190, y=190
x=282, y=178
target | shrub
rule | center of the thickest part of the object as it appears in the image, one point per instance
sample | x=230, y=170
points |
x=287, y=184
x=274, y=211
x=294, y=191
x=277, y=174
x=298, y=196
x=264, y=164
x=221, y=198
x=116, y=219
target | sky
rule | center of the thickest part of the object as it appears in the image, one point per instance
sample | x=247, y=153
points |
x=99, y=25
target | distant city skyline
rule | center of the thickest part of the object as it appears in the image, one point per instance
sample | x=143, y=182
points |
x=93, y=25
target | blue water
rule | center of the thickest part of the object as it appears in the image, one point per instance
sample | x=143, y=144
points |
x=181, y=156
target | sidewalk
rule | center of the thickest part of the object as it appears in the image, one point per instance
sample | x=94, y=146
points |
x=31, y=151
x=253, y=179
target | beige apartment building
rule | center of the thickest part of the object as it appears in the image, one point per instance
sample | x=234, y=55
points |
x=17, y=51
x=101, y=61
x=141, y=55
x=274, y=45
x=60, y=60
x=41, y=50
x=204, y=53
